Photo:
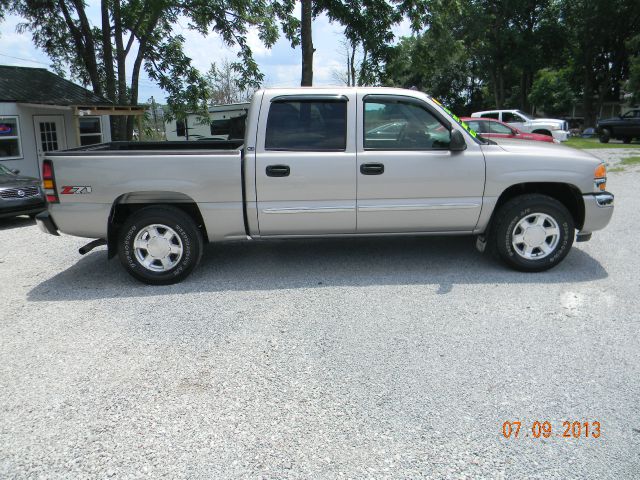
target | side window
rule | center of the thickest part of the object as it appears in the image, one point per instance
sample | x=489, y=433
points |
x=493, y=115
x=495, y=127
x=317, y=126
x=90, y=130
x=397, y=125
x=220, y=127
x=10, y=146
x=510, y=117
x=476, y=125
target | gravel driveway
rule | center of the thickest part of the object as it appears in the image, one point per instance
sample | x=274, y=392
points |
x=369, y=358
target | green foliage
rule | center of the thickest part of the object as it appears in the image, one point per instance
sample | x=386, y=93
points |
x=551, y=91
x=633, y=84
x=591, y=143
x=479, y=54
x=140, y=35
x=225, y=85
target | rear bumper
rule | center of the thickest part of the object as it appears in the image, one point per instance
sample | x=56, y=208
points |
x=46, y=223
x=598, y=209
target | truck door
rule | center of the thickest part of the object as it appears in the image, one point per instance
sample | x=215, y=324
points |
x=412, y=182
x=306, y=164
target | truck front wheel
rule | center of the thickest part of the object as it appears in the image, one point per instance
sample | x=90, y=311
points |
x=160, y=245
x=533, y=232
x=605, y=136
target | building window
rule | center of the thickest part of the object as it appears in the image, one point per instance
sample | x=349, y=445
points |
x=90, y=130
x=181, y=128
x=10, y=146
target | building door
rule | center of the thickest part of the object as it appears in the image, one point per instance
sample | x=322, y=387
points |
x=50, y=134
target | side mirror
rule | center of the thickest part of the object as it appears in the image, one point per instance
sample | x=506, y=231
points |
x=457, y=143
x=15, y=171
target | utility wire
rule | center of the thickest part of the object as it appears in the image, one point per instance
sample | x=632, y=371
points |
x=23, y=59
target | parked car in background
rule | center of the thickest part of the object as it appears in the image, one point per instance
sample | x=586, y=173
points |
x=490, y=128
x=19, y=195
x=624, y=127
x=558, y=129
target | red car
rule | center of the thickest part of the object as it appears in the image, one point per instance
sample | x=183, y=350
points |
x=490, y=128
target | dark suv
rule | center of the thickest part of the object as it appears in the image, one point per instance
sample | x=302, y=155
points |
x=624, y=127
x=19, y=195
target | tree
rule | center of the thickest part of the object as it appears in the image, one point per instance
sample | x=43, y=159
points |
x=4, y=6
x=599, y=49
x=224, y=85
x=552, y=92
x=633, y=84
x=367, y=23
x=140, y=33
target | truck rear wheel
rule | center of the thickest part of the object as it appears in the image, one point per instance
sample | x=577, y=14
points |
x=605, y=136
x=533, y=232
x=160, y=245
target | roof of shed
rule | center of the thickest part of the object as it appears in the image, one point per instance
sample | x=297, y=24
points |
x=40, y=86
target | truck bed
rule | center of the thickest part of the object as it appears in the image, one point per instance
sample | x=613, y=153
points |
x=92, y=180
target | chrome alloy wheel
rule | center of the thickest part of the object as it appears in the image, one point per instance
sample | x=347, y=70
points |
x=535, y=236
x=158, y=248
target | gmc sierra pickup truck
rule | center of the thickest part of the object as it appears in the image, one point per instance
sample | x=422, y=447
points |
x=326, y=162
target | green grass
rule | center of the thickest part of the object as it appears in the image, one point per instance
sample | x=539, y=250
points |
x=587, y=143
x=625, y=162
x=630, y=161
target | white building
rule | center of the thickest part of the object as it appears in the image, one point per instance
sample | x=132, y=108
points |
x=225, y=122
x=42, y=112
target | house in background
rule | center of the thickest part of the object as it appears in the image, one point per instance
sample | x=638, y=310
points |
x=225, y=122
x=42, y=112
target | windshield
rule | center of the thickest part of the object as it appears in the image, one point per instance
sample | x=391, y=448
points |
x=5, y=171
x=456, y=119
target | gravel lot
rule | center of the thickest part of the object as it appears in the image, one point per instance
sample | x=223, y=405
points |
x=370, y=358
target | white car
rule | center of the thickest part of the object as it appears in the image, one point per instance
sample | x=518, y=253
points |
x=558, y=129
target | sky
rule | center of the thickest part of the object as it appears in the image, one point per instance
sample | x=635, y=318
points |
x=280, y=64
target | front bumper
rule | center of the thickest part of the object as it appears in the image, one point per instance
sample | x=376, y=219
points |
x=46, y=223
x=560, y=135
x=598, y=209
x=29, y=206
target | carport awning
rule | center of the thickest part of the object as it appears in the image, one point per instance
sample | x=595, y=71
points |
x=83, y=110
x=87, y=110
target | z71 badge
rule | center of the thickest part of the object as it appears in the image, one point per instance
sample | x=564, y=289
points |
x=75, y=190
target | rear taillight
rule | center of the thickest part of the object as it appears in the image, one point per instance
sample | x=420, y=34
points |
x=49, y=182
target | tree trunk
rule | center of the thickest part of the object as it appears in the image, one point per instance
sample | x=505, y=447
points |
x=122, y=69
x=352, y=71
x=587, y=95
x=135, y=77
x=306, y=41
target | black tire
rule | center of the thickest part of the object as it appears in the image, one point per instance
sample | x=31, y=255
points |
x=626, y=140
x=543, y=132
x=184, y=236
x=605, y=136
x=506, y=222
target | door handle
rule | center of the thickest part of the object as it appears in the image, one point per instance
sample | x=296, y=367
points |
x=278, y=171
x=372, y=168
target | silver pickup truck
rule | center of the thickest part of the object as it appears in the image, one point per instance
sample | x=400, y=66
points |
x=326, y=162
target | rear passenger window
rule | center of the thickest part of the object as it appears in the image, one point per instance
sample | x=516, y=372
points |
x=493, y=115
x=318, y=125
